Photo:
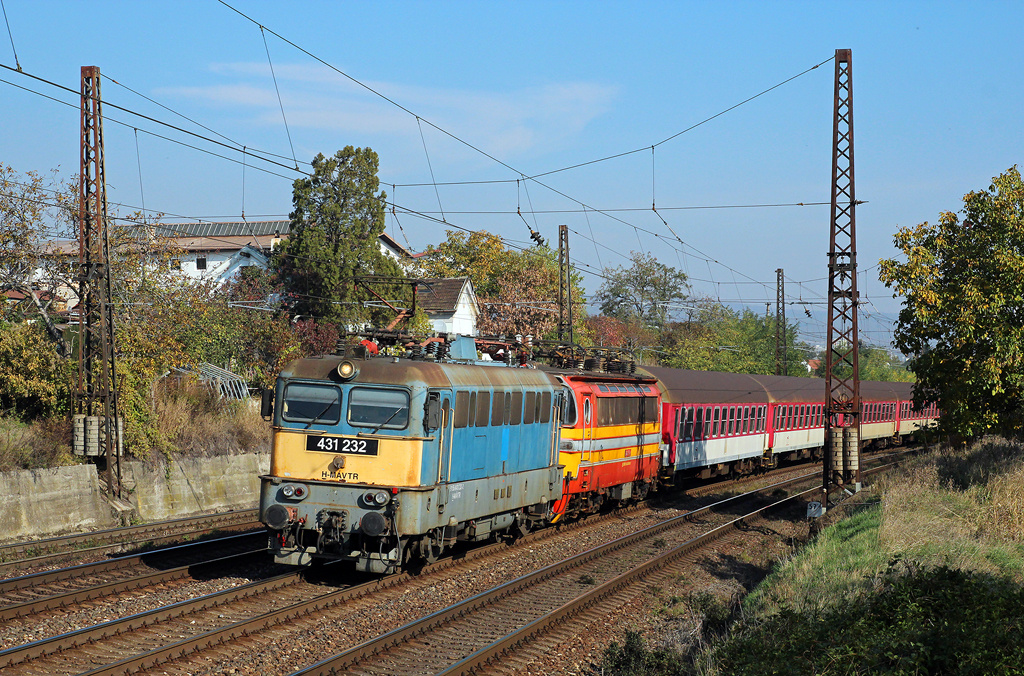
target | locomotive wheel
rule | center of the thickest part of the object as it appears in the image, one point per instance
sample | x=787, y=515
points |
x=429, y=550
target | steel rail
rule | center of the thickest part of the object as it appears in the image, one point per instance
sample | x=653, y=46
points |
x=72, y=597
x=479, y=661
x=189, y=646
x=71, y=572
x=119, y=627
x=119, y=538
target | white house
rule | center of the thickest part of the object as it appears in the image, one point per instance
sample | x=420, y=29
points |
x=450, y=304
x=218, y=250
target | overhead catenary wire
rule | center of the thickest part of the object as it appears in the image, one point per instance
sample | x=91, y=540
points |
x=279, y=100
x=148, y=118
x=11, y=35
x=636, y=229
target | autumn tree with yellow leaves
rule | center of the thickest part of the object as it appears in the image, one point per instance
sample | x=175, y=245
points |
x=963, y=310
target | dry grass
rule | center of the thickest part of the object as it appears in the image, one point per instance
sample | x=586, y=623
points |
x=197, y=423
x=42, y=443
x=958, y=507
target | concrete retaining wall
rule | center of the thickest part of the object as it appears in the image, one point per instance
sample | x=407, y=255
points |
x=47, y=502
x=52, y=501
x=195, y=485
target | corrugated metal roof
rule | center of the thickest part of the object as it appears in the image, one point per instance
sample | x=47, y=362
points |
x=229, y=385
x=236, y=228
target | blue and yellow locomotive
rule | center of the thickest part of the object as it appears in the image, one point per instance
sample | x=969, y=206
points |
x=385, y=461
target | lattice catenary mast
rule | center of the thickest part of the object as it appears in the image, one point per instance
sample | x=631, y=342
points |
x=96, y=396
x=842, y=379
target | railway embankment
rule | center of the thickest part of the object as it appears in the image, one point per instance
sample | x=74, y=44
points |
x=925, y=575
x=50, y=501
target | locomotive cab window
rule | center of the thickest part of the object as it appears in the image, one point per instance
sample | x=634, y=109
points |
x=306, y=402
x=378, y=408
x=569, y=411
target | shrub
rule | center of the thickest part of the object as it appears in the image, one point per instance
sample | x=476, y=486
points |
x=633, y=658
x=34, y=380
x=919, y=621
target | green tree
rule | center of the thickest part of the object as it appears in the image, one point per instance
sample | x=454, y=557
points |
x=876, y=363
x=644, y=291
x=338, y=216
x=35, y=381
x=36, y=210
x=963, y=309
x=714, y=337
x=517, y=289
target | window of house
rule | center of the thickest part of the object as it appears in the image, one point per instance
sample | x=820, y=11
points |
x=200, y=262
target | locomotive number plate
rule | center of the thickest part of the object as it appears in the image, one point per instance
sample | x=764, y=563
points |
x=339, y=445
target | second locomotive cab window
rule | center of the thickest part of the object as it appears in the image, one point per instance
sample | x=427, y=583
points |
x=306, y=402
x=378, y=408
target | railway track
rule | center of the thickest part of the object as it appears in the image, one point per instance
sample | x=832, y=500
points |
x=64, y=588
x=21, y=556
x=486, y=629
x=226, y=621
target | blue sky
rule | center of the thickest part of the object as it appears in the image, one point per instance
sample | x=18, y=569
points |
x=938, y=91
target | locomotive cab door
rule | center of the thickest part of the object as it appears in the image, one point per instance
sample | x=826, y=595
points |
x=445, y=432
x=589, y=414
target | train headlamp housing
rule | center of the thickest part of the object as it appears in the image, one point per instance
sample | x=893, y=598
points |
x=376, y=498
x=347, y=370
x=294, y=491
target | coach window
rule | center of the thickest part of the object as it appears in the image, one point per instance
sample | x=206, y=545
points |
x=714, y=428
x=545, y=407
x=707, y=422
x=529, y=408
x=483, y=408
x=497, y=408
x=746, y=420
x=462, y=409
x=306, y=402
x=517, y=408
x=732, y=420
x=378, y=408
x=698, y=424
x=688, y=424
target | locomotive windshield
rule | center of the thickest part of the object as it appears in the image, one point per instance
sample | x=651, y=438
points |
x=306, y=402
x=378, y=407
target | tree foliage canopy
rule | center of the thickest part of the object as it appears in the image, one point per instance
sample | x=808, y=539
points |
x=644, y=291
x=338, y=216
x=963, y=310
x=35, y=210
x=517, y=290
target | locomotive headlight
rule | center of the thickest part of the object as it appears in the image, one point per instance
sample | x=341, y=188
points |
x=376, y=498
x=347, y=370
x=294, y=491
